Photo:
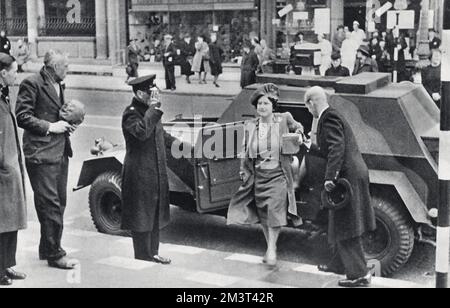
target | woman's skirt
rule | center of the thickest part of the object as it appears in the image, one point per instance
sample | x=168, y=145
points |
x=263, y=199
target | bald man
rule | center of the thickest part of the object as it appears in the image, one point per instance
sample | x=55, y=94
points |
x=337, y=144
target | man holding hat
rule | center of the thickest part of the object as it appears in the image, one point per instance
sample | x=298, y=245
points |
x=170, y=52
x=364, y=62
x=145, y=186
x=336, y=68
x=337, y=144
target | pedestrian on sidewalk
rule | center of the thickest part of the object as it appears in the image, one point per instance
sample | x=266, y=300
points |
x=215, y=59
x=132, y=60
x=187, y=52
x=326, y=49
x=47, y=148
x=200, y=64
x=336, y=69
x=249, y=65
x=145, y=186
x=339, y=38
x=348, y=52
x=5, y=44
x=364, y=62
x=337, y=144
x=170, y=52
x=22, y=54
x=268, y=56
x=259, y=52
x=358, y=34
x=267, y=194
x=13, y=206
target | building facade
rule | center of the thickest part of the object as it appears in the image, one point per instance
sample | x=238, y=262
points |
x=101, y=29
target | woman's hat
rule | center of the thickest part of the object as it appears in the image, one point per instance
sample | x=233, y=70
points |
x=364, y=50
x=270, y=90
x=336, y=55
x=340, y=197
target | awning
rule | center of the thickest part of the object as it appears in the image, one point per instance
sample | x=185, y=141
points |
x=193, y=5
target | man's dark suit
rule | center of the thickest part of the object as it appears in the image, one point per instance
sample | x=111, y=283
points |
x=47, y=157
x=169, y=66
x=337, y=144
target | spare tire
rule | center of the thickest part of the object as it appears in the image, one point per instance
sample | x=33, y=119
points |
x=393, y=242
x=105, y=203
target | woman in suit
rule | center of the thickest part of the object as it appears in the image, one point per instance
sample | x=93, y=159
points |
x=267, y=195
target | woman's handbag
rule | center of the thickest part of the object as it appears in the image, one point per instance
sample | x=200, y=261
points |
x=290, y=144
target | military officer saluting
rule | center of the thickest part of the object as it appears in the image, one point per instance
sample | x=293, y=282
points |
x=145, y=185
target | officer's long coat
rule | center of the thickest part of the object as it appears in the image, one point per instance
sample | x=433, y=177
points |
x=13, y=209
x=337, y=144
x=145, y=187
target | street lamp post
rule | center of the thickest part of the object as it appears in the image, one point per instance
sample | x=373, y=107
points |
x=443, y=232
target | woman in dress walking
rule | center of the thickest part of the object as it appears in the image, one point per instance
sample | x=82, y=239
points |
x=201, y=59
x=267, y=194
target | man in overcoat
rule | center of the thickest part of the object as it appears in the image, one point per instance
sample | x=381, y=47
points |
x=145, y=186
x=170, y=52
x=13, y=211
x=337, y=144
x=249, y=66
x=47, y=149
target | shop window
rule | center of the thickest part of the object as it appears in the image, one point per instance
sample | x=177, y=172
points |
x=68, y=18
x=13, y=17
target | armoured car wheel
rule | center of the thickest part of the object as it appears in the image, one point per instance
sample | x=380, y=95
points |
x=105, y=203
x=393, y=241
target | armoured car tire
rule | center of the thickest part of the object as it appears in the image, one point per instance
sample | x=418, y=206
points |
x=105, y=204
x=393, y=242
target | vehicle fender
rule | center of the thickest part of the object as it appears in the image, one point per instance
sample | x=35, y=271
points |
x=94, y=167
x=398, y=180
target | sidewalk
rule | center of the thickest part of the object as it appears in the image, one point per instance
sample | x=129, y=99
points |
x=107, y=261
x=112, y=78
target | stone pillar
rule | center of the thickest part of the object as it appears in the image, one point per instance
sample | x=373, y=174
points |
x=337, y=15
x=32, y=19
x=101, y=29
x=268, y=10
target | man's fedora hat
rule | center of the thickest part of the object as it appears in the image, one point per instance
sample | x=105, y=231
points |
x=364, y=50
x=340, y=197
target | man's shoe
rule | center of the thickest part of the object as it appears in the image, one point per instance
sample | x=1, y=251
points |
x=64, y=264
x=328, y=269
x=161, y=260
x=357, y=283
x=12, y=274
x=6, y=281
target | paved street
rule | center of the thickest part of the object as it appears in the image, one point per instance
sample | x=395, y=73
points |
x=203, y=248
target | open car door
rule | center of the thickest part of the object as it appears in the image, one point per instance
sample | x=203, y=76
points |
x=217, y=166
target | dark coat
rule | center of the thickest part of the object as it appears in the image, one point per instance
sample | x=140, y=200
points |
x=187, y=54
x=215, y=59
x=337, y=144
x=145, y=186
x=431, y=80
x=13, y=209
x=37, y=106
x=435, y=43
x=340, y=71
x=369, y=65
x=132, y=55
x=169, y=55
x=249, y=67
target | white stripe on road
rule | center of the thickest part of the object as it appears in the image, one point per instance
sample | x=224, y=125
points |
x=245, y=258
x=376, y=281
x=187, y=250
x=213, y=279
x=311, y=269
x=126, y=263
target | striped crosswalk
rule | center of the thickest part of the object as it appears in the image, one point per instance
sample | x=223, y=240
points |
x=108, y=261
